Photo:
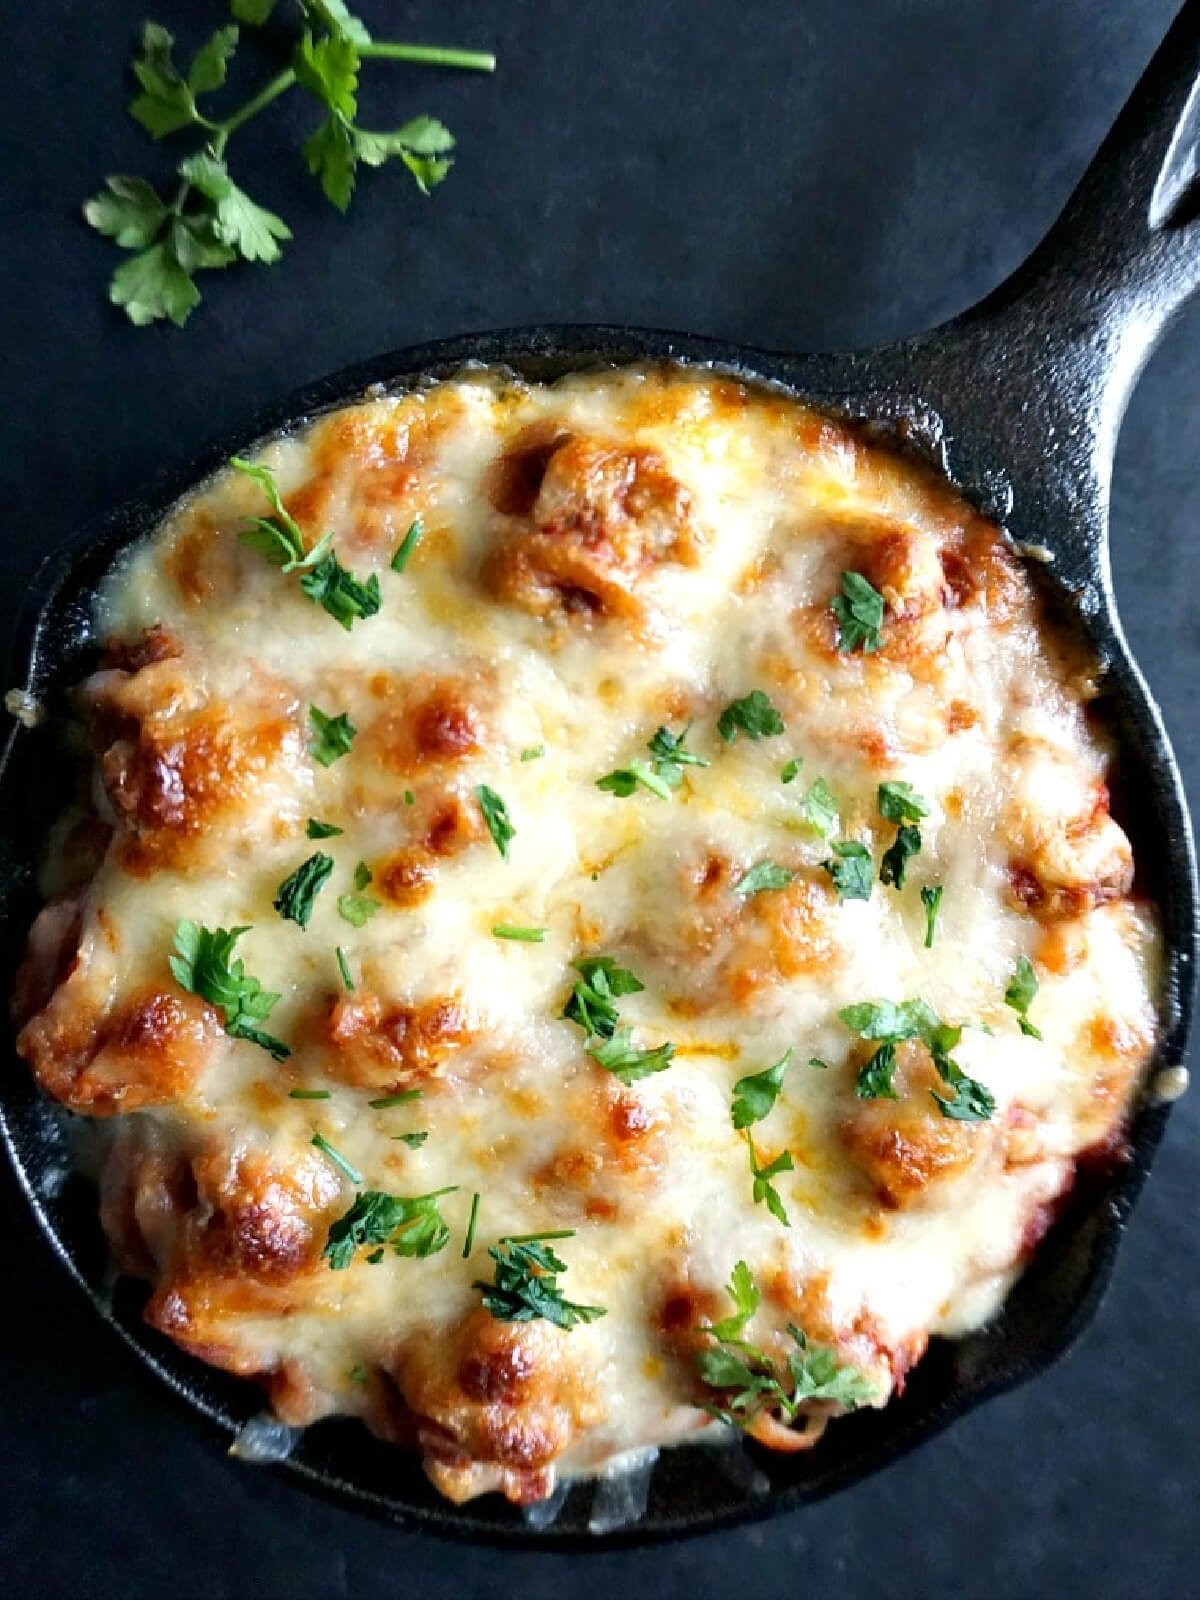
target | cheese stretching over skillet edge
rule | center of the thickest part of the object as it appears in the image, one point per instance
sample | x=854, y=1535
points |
x=597, y=559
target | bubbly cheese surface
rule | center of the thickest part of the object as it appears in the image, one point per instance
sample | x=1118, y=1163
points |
x=615, y=553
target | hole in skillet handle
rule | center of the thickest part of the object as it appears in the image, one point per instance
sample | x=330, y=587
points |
x=688, y=1492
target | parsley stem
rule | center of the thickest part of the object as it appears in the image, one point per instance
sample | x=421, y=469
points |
x=431, y=54
x=536, y=1238
x=278, y=85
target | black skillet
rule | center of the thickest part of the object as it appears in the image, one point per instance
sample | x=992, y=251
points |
x=1019, y=400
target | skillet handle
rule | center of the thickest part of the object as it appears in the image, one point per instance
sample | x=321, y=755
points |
x=1126, y=250
x=1031, y=384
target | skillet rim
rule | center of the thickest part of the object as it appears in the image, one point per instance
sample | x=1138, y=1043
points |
x=829, y=382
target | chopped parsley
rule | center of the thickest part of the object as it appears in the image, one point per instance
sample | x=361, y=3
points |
x=894, y=863
x=278, y=537
x=298, y=893
x=618, y=1055
x=410, y=1226
x=407, y=545
x=1020, y=994
x=323, y=578
x=203, y=964
x=337, y=1159
x=469, y=1241
x=592, y=1003
x=495, y=814
x=334, y=736
x=898, y=803
x=851, y=869
x=362, y=875
x=819, y=808
x=508, y=930
x=859, y=613
x=358, y=1375
x=344, y=968
x=790, y=770
x=755, y=1095
x=534, y=753
x=891, y=1022
x=625, y=780
x=413, y=1140
x=663, y=775
x=749, y=1382
x=403, y=1098
x=764, y=1190
x=753, y=715
x=763, y=875
x=346, y=598
x=818, y=1064
x=309, y=1094
x=321, y=830
x=525, y=1285
x=931, y=899
x=357, y=909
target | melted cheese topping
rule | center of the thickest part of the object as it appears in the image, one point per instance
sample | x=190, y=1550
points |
x=599, y=557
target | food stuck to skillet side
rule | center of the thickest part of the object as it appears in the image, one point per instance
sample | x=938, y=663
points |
x=598, y=918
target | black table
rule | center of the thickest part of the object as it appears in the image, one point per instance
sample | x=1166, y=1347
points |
x=802, y=173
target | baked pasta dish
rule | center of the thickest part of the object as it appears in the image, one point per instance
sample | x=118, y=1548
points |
x=596, y=919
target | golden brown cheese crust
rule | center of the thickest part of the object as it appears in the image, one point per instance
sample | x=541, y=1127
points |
x=598, y=558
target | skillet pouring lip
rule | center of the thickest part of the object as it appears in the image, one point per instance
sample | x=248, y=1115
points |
x=697, y=1488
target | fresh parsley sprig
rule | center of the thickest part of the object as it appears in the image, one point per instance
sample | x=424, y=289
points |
x=203, y=964
x=765, y=1191
x=858, y=611
x=601, y=984
x=209, y=222
x=525, y=1284
x=297, y=894
x=753, y=714
x=756, y=1094
x=851, y=869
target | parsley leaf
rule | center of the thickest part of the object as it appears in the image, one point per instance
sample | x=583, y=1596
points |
x=334, y=736
x=321, y=830
x=931, y=899
x=411, y=1226
x=751, y=1382
x=851, y=869
x=357, y=909
x=892, y=1022
x=874, y=1081
x=131, y=213
x=894, y=863
x=859, y=612
x=898, y=803
x=495, y=814
x=166, y=102
x=362, y=875
x=154, y=285
x=249, y=229
x=754, y=1096
x=297, y=894
x=278, y=537
x=1020, y=994
x=670, y=758
x=339, y=592
x=819, y=808
x=764, y=1189
x=790, y=769
x=254, y=12
x=525, y=1286
x=753, y=715
x=204, y=965
x=625, y=780
x=744, y=1293
x=407, y=545
x=422, y=145
x=618, y=1055
x=534, y=753
x=414, y=1141
x=763, y=875
x=602, y=982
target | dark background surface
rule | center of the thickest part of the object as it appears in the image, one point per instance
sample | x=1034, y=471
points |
x=791, y=173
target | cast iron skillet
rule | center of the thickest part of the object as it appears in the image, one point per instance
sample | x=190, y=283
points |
x=1020, y=400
